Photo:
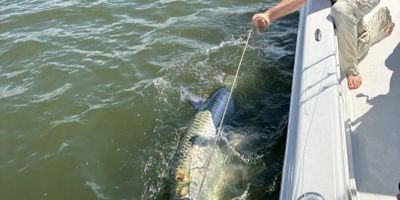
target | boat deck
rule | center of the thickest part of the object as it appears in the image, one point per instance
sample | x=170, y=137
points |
x=342, y=144
x=374, y=116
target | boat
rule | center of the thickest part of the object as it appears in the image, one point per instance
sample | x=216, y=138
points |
x=342, y=144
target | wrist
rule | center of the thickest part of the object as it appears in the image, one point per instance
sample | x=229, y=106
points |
x=267, y=17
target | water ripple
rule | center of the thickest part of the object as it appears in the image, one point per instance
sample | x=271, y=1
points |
x=9, y=92
x=96, y=189
x=107, y=83
x=53, y=94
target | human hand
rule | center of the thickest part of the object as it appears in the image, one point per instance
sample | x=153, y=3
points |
x=354, y=81
x=261, y=21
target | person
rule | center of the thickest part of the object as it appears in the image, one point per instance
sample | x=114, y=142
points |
x=398, y=195
x=354, y=36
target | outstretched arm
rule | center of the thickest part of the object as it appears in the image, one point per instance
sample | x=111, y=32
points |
x=285, y=7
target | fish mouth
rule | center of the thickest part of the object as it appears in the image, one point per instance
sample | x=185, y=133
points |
x=182, y=180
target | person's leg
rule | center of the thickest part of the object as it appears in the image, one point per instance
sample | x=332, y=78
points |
x=376, y=29
x=347, y=15
x=346, y=30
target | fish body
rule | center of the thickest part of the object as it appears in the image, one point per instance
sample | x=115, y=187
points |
x=195, y=147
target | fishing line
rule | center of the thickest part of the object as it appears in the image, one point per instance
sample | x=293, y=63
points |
x=218, y=135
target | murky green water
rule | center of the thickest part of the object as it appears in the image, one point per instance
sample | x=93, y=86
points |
x=92, y=93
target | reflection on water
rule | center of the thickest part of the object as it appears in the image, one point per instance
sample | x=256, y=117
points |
x=93, y=93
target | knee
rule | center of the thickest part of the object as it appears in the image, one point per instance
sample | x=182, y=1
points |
x=341, y=11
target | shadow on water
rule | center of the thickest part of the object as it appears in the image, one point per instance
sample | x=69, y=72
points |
x=377, y=140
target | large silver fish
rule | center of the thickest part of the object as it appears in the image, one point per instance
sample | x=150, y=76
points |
x=194, y=149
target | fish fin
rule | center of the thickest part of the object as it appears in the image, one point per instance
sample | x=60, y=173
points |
x=234, y=140
x=196, y=101
x=197, y=104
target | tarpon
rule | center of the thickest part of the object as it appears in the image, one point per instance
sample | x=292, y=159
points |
x=194, y=149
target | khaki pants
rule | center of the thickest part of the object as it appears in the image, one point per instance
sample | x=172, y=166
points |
x=354, y=36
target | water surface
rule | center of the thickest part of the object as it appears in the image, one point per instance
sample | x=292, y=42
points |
x=93, y=93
